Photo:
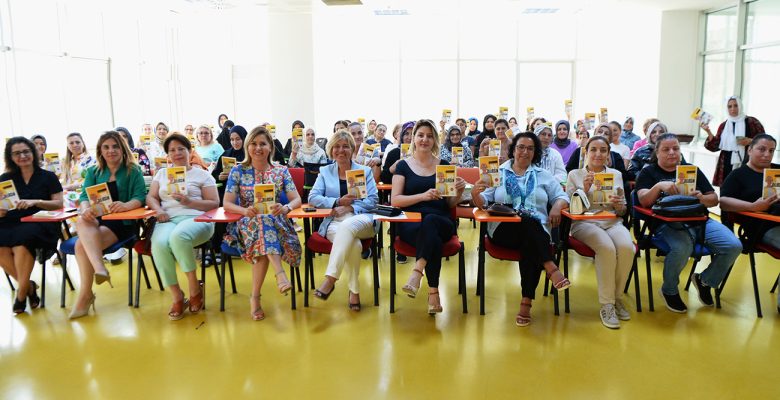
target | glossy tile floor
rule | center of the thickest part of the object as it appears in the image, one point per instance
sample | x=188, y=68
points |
x=325, y=351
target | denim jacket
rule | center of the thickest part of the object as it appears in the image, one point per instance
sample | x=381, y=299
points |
x=326, y=192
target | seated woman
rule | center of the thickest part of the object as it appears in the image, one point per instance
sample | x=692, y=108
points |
x=500, y=128
x=37, y=189
x=311, y=152
x=74, y=167
x=745, y=190
x=176, y=232
x=529, y=189
x=552, y=161
x=608, y=238
x=236, y=138
x=40, y=146
x=454, y=137
x=394, y=155
x=562, y=143
x=349, y=221
x=414, y=189
x=379, y=137
x=642, y=156
x=117, y=168
x=208, y=148
x=656, y=180
x=142, y=159
x=263, y=236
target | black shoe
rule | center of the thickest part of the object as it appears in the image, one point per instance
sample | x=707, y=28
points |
x=20, y=305
x=366, y=254
x=705, y=292
x=32, y=294
x=401, y=259
x=674, y=303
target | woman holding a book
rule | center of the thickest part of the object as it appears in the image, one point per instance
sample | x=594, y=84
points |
x=30, y=189
x=208, y=149
x=644, y=154
x=454, y=138
x=394, y=155
x=656, y=180
x=610, y=240
x=176, y=233
x=414, y=189
x=733, y=135
x=308, y=152
x=530, y=190
x=562, y=143
x=551, y=159
x=117, y=173
x=156, y=148
x=488, y=132
x=74, y=167
x=500, y=128
x=350, y=221
x=141, y=158
x=264, y=234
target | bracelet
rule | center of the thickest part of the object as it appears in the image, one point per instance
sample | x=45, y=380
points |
x=288, y=209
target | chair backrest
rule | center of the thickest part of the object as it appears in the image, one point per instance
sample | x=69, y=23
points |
x=470, y=175
x=297, y=176
x=322, y=142
x=636, y=217
x=310, y=173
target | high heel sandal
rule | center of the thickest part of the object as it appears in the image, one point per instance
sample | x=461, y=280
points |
x=177, y=308
x=434, y=308
x=410, y=290
x=101, y=277
x=284, y=286
x=196, y=302
x=353, y=306
x=562, y=283
x=523, y=319
x=319, y=294
x=76, y=313
x=32, y=294
x=19, y=305
x=257, y=314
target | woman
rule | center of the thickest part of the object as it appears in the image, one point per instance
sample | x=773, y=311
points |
x=37, y=189
x=208, y=149
x=487, y=132
x=176, y=232
x=644, y=154
x=617, y=146
x=608, y=238
x=562, y=143
x=500, y=128
x=615, y=160
x=657, y=180
x=473, y=129
x=224, y=136
x=142, y=159
x=40, y=146
x=262, y=237
x=221, y=121
x=642, y=142
x=396, y=143
x=530, y=190
x=733, y=135
x=535, y=123
x=115, y=167
x=340, y=125
x=297, y=124
x=551, y=159
x=220, y=175
x=311, y=152
x=74, y=167
x=454, y=138
x=156, y=148
x=414, y=189
x=743, y=190
x=349, y=222
x=627, y=135
x=394, y=155
x=379, y=137
x=512, y=122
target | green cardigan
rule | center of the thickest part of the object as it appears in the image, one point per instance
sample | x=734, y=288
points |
x=130, y=185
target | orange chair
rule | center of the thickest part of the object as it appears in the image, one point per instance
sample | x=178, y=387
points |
x=470, y=175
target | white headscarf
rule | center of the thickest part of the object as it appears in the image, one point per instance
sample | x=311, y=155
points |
x=735, y=126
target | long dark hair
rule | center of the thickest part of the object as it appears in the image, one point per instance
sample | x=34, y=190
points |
x=658, y=140
x=10, y=165
x=537, y=146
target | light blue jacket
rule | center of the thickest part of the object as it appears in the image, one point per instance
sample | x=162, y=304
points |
x=326, y=192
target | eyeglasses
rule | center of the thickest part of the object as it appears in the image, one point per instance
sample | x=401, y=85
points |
x=522, y=148
x=17, y=154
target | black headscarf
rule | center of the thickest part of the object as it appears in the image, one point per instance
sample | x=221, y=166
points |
x=124, y=130
x=220, y=117
x=231, y=152
x=224, y=137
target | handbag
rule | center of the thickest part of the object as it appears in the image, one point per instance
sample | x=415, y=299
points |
x=501, y=210
x=679, y=206
x=387, y=211
x=579, y=202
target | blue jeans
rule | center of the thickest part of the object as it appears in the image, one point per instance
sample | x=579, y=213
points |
x=722, y=243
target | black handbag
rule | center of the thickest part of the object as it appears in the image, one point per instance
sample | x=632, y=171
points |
x=679, y=206
x=387, y=211
x=501, y=210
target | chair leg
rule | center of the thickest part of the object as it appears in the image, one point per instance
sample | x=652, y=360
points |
x=375, y=262
x=690, y=274
x=43, y=285
x=141, y=267
x=157, y=274
x=292, y=290
x=462, y=280
x=755, y=284
x=298, y=277
x=11, y=284
x=308, y=263
x=64, y=278
x=649, y=280
x=777, y=281
x=146, y=276
x=630, y=275
x=719, y=289
x=232, y=277
x=635, y=271
x=566, y=274
x=130, y=281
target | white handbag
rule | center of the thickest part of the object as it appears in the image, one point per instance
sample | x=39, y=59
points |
x=579, y=202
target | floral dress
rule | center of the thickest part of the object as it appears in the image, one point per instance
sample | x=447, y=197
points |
x=75, y=174
x=263, y=234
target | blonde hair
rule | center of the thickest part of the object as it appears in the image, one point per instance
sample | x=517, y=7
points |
x=68, y=162
x=257, y=131
x=426, y=123
x=341, y=134
x=127, y=156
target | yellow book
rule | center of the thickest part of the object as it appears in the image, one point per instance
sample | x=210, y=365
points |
x=603, y=187
x=446, y=115
x=406, y=150
x=366, y=153
x=53, y=164
x=192, y=139
x=590, y=121
x=771, y=182
x=603, y=116
x=702, y=116
x=297, y=137
x=8, y=195
x=356, y=183
x=361, y=120
x=488, y=170
x=457, y=155
x=503, y=112
x=583, y=160
x=567, y=106
x=686, y=179
x=495, y=148
x=177, y=180
x=146, y=141
x=99, y=199
x=228, y=163
x=265, y=196
x=160, y=162
x=272, y=130
x=135, y=157
x=445, y=180
x=529, y=113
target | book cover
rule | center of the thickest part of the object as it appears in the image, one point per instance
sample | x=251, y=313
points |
x=457, y=155
x=272, y=130
x=702, y=116
x=8, y=195
x=177, y=180
x=529, y=113
x=495, y=148
x=265, y=196
x=590, y=121
x=146, y=141
x=228, y=163
x=362, y=122
x=445, y=180
x=192, y=140
x=567, y=106
x=603, y=116
x=603, y=187
x=406, y=150
x=488, y=170
x=53, y=164
x=297, y=137
x=503, y=112
x=366, y=153
x=771, y=182
x=686, y=179
x=160, y=162
x=356, y=183
x=446, y=116
x=135, y=157
x=99, y=199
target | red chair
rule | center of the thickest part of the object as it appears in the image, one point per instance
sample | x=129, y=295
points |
x=470, y=175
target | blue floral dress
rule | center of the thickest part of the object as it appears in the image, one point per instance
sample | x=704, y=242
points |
x=263, y=234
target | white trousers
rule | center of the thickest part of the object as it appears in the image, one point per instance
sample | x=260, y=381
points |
x=345, y=234
x=614, y=257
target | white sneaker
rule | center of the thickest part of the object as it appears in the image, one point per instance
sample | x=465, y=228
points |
x=116, y=257
x=622, y=311
x=608, y=316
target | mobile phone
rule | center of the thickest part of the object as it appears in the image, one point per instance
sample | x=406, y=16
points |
x=309, y=209
x=70, y=210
